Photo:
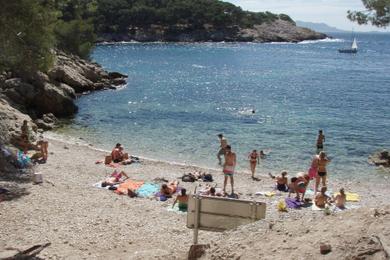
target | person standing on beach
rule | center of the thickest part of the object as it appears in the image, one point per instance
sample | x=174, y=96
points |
x=320, y=161
x=222, y=149
x=253, y=161
x=228, y=167
x=320, y=141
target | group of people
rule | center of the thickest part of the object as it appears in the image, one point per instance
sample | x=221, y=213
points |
x=297, y=184
x=26, y=142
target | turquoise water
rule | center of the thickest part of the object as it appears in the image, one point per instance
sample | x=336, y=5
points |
x=180, y=96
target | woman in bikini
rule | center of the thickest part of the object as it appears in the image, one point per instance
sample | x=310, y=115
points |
x=253, y=161
x=321, y=162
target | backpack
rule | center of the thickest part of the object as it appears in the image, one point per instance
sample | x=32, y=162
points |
x=188, y=178
x=207, y=177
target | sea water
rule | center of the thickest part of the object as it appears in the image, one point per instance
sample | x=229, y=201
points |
x=271, y=97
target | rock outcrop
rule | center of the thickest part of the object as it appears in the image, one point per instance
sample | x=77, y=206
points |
x=276, y=31
x=42, y=97
x=380, y=158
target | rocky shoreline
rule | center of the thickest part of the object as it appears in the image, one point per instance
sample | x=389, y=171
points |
x=42, y=97
x=276, y=31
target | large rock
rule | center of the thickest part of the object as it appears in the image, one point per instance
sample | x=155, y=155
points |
x=55, y=99
x=279, y=31
x=380, y=158
x=11, y=120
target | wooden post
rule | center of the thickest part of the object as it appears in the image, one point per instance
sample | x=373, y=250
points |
x=197, y=218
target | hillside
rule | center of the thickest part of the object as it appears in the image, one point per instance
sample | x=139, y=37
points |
x=192, y=21
x=320, y=27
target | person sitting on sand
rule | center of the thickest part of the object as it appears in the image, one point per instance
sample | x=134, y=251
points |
x=321, y=199
x=169, y=189
x=118, y=155
x=115, y=178
x=281, y=181
x=182, y=199
x=340, y=199
x=292, y=185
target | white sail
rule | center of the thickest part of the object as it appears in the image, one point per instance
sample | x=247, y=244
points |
x=354, y=44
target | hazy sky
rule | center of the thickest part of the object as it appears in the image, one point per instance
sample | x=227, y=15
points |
x=331, y=12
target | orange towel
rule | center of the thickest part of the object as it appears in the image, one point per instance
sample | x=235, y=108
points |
x=128, y=184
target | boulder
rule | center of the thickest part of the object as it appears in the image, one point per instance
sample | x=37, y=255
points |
x=44, y=125
x=72, y=77
x=10, y=122
x=54, y=99
x=115, y=75
x=380, y=158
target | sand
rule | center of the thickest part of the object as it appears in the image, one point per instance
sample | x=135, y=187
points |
x=84, y=222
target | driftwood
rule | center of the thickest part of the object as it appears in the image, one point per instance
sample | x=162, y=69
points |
x=29, y=253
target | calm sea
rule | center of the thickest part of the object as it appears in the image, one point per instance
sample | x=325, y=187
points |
x=180, y=96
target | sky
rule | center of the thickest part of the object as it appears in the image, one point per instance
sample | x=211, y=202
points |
x=331, y=12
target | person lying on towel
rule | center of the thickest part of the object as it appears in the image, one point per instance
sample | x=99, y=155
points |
x=169, y=189
x=115, y=178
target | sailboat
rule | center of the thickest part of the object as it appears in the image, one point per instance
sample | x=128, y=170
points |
x=353, y=48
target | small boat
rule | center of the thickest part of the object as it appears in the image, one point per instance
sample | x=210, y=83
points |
x=353, y=48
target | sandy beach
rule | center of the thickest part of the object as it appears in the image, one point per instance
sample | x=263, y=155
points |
x=84, y=222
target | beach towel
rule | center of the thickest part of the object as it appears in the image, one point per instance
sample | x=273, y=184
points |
x=315, y=208
x=293, y=203
x=351, y=197
x=266, y=193
x=176, y=209
x=99, y=185
x=128, y=184
x=147, y=190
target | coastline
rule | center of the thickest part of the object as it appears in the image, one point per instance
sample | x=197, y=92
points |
x=82, y=221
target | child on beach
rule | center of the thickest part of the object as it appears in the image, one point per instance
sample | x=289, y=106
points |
x=281, y=181
x=340, y=199
x=182, y=199
x=321, y=199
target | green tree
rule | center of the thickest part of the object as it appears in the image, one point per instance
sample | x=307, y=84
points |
x=74, y=30
x=26, y=35
x=377, y=13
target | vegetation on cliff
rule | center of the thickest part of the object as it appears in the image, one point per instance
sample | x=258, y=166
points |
x=30, y=30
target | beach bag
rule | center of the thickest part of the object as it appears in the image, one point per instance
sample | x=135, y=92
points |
x=207, y=177
x=188, y=178
x=23, y=160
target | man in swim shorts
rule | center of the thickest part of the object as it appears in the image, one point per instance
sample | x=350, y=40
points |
x=320, y=141
x=222, y=149
x=228, y=167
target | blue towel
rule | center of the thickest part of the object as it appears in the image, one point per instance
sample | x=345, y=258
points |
x=147, y=190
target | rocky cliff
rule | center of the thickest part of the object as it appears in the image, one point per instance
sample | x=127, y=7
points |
x=276, y=31
x=41, y=97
